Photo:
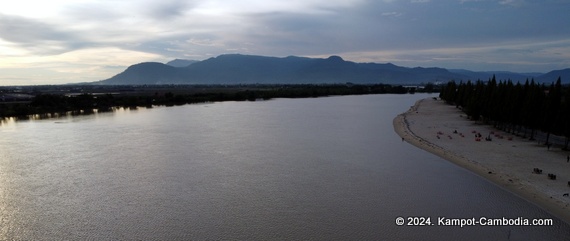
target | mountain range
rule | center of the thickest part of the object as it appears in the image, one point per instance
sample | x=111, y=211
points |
x=252, y=69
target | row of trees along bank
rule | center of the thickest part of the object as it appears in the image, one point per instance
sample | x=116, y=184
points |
x=514, y=107
x=48, y=104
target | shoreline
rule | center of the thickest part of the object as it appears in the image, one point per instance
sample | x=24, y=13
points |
x=23, y=102
x=443, y=130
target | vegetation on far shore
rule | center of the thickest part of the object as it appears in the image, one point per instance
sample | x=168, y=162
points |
x=514, y=107
x=57, y=100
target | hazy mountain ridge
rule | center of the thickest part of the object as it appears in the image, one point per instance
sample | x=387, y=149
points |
x=181, y=62
x=146, y=73
x=552, y=76
x=252, y=69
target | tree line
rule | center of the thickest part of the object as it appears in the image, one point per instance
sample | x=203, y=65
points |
x=514, y=107
x=47, y=104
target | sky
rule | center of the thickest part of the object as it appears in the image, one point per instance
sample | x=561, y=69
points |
x=70, y=41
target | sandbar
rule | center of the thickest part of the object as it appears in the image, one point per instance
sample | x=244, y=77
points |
x=507, y=160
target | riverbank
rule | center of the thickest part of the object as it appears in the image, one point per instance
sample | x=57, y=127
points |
x=506, y=160
x=24, y=101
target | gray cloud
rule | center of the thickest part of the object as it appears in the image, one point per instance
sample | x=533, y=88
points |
x=36, y=36
x=413, y=33
x=168, y=9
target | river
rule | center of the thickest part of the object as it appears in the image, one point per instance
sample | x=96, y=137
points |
x=328, y=168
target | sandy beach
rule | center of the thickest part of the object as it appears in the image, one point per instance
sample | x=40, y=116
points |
x=506, y=160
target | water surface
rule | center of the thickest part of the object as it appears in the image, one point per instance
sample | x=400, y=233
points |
x=323, y=168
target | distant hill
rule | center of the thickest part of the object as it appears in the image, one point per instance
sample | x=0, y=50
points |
x=146, y=73
x=181, y=62
x=252, y=69
x=552, y=76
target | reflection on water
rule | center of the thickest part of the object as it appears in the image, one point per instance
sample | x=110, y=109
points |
x=324, y=168
x=7, y=121
x=70, y=114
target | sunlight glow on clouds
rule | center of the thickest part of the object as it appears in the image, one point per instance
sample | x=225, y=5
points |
x=218, y=7
x=65, y=41
x=86, y=63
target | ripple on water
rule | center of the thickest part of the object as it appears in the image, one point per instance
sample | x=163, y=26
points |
x=323, y=168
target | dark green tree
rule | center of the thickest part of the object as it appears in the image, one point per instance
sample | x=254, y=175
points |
x=552, y=109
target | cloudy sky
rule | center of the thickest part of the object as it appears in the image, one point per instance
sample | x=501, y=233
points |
x=65, y=41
